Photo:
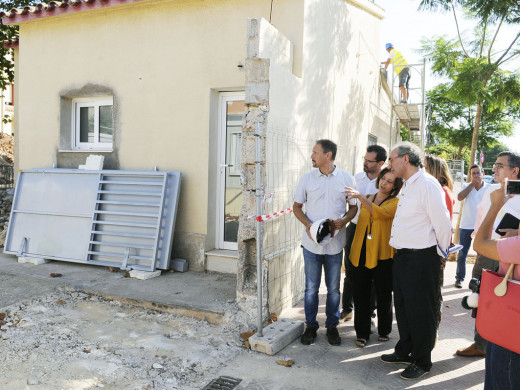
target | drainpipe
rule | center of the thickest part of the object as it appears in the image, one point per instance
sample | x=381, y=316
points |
x=259, y=276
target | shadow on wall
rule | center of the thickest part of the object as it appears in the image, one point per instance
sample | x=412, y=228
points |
x=381, y=125
x=327, y=37
x=351, y=123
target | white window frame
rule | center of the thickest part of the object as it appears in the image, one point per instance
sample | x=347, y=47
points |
x=95, y=102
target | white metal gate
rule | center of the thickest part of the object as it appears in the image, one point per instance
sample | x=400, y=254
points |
x=124, y=219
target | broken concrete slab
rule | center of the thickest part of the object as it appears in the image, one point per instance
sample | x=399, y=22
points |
x=277, y=336
x=144, y=275
x=32, y=260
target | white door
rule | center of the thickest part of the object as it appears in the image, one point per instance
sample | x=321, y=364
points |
x=229, y=197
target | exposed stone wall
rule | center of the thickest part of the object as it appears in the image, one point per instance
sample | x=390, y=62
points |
x=6, y=202
x=257, y=110
x=270, y=91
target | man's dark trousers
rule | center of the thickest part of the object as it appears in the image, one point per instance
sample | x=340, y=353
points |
x=347, y=298
x=416, y=281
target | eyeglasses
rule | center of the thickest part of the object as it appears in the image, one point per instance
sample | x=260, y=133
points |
x=368, y=161
x=390, y=159
x=500, y=166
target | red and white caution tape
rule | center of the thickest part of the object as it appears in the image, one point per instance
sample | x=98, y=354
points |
x=267, y=217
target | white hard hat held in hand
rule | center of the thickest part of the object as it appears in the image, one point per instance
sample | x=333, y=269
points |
x=322, y=231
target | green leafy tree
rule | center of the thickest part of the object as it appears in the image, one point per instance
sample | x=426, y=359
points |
x=475, y=69
x=9, y=33
x=452, y=122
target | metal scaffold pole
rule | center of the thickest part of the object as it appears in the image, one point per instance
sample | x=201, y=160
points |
x=259, y=278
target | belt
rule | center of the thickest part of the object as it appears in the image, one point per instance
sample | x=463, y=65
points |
x=408, y=250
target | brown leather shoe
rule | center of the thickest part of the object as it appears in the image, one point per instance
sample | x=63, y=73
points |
x=470, y=351
x=344, y=316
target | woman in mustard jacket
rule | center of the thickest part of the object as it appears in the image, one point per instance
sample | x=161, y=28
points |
x=372, y=257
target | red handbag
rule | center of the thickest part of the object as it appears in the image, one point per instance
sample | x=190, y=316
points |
x=498, y=317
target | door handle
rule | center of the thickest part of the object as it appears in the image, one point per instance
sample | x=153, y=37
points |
x=226, y=165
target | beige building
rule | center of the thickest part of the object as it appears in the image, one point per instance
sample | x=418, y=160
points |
x=179, y=85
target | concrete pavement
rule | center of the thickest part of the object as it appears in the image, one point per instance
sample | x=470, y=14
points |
x=319, y=366
x=201, y=295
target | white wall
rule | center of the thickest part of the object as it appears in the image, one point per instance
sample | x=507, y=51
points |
x=338, y=97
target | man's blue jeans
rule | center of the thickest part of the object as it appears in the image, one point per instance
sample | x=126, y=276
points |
x=465, y=241
x=502, y=368
x=313, y=266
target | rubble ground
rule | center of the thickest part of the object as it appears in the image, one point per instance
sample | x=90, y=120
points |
x=6, y=148
x=74, y=340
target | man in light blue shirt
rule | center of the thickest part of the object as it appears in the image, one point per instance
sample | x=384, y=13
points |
x=323, y=193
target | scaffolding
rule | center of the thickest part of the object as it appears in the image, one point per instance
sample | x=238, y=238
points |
x=457, y=170
x=413, y=115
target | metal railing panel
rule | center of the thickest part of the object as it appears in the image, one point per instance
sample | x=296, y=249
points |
x=116, y=218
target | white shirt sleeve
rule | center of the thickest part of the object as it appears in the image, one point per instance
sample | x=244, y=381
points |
x=483, y=208
x=439, y=217
x=353, y=184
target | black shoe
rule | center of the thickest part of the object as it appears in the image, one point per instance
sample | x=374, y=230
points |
x=413, y=371
x=458, y=283
x=394, y=359
x=309, y=335
x=345, y=316
x=333, y=335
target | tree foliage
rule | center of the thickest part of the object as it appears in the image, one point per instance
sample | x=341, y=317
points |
x=9, y=33
x=478, y=81
x=452, y=122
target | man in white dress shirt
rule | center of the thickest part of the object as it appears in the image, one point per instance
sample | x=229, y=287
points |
x=421, y=234
x=323, y=193
x=374, y=159
x=472, y=194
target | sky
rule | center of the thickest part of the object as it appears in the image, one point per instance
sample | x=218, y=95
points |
x=405, y=27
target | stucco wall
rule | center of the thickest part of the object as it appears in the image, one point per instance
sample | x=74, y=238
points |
x=164, y=61
x=341, y=77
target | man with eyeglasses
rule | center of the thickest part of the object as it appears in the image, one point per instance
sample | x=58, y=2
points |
x=373, y=160
x=471, y=193
x=421, y=235
x=507, y=166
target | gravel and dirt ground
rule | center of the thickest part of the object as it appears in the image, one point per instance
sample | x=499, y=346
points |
x=6, y=148
x=73, y=340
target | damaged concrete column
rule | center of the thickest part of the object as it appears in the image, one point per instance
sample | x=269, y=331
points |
x=257, y=110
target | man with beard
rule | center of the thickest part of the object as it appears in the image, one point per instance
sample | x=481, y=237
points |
x=374, y=159
x=322, y=193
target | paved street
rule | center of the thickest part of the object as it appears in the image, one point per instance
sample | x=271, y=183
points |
x=319, y=366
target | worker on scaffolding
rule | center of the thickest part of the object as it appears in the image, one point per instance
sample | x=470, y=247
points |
x=401, y=68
